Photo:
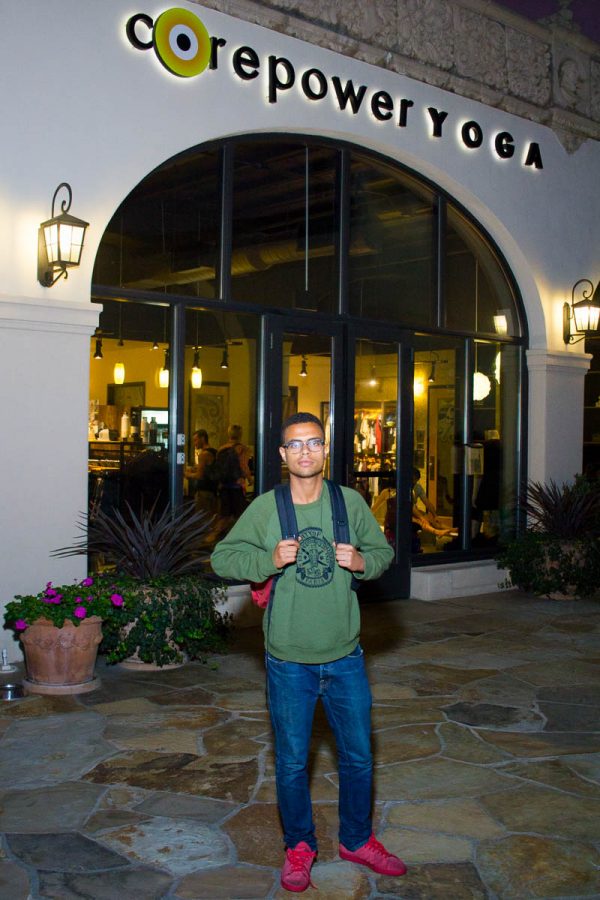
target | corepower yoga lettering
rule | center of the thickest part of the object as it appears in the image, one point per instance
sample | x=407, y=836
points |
x=183, y=45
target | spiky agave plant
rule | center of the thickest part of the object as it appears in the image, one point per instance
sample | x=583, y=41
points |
x=147, y=545
x=569, y=512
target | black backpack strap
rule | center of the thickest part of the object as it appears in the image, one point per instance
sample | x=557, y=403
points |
x=285, y=510
x=341, y=529
x=289, y=529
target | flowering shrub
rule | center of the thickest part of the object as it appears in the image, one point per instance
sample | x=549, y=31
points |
x=104, y=596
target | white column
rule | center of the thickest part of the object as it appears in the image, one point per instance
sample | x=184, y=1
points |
x=555, y=416
x=44, y=378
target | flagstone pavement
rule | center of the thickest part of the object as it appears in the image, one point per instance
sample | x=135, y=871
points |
x=486, y=725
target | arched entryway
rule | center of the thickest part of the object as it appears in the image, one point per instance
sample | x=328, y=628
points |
x=300, y=273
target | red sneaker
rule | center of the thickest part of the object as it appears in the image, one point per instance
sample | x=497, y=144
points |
x=376, y=857
x=295, y=875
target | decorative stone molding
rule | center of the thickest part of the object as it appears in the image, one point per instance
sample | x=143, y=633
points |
x=426, y=32
x=544, y=72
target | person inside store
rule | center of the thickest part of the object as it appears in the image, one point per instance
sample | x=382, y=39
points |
x=233, y=464
x=312, y=642
x=425, y=519
x=200, y=486
x=485, y=525
x=421, y=519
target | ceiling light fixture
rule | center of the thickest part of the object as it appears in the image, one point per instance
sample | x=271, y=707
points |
x=303, y=368
x=225, y=359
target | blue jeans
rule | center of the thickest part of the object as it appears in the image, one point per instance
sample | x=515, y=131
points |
x=293, y=690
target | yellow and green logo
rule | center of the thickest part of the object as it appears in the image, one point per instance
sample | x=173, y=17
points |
x=179, y=39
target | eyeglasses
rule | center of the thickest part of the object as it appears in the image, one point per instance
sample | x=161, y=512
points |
x=313, y=445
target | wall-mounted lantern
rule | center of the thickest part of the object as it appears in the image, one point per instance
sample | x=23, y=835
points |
x=60, y=241
x=585, y=313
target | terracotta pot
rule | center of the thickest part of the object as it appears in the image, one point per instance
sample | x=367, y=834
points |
x=61, y=660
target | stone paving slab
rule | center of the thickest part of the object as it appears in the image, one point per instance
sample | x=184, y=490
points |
x=71, y=744
x=159, y=785
x=128, y=884
x=60, y=807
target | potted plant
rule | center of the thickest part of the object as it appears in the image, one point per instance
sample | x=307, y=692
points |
x=558, y=555
x=60, y=629
x=161, y=560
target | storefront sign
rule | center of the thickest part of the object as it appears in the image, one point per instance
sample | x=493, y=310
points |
x=182, y=44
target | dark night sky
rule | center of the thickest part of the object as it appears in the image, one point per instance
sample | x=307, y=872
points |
x=586, y=13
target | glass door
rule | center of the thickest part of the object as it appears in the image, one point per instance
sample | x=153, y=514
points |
x=378, y=413
x=302, y=366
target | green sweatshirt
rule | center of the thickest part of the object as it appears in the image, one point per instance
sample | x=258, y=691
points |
x=314, y=615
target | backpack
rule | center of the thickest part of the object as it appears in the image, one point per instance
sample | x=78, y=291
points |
x=263, y=593
x=226, y=468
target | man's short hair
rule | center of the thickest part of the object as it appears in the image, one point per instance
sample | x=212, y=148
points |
x=202, y=433
x=234, y=432
x=301, y=418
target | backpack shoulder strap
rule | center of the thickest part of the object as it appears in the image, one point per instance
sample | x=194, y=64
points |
x=285, y=510
x=341, y=529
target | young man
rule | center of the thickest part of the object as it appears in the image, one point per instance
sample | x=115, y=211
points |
x=312, y=646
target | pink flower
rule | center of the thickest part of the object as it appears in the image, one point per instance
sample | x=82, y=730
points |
x=21, y=625
x=116, y=600
x=50, y=592
x=87, y=582
x=80, y=612
x=48, y=585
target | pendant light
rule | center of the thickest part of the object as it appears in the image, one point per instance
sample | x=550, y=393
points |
x=196, y=377
x=481, y=383
x=163, y=372
x=196, y=370
x=119, y=369
x=303, y=369
x=225, y=359
x=163, y=375
x=98, y=350
x=373, y=378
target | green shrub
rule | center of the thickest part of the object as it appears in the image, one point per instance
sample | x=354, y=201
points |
x=548, y=566
x=169, y=617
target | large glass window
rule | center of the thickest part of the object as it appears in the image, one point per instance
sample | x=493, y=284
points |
x=128, y=417
x=495, y=441
x=255, y=251
x=283, y=235
x=437, y=449
x=220, y=410
x=164, y=237
x=478, y=296
x=391, y=260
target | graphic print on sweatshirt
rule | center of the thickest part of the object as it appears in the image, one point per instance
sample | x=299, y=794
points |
x=316, y=559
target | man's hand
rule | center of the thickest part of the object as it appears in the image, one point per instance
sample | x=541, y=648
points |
x=348, y=557
x=285, y=553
